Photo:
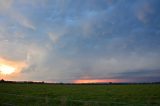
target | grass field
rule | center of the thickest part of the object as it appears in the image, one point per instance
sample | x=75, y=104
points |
x=79, y=95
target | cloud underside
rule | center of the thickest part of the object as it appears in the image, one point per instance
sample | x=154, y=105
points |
x=65, y=41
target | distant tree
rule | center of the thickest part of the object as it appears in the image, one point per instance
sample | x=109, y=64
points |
x=61, y=83
x=110, y=83
x=2, y=80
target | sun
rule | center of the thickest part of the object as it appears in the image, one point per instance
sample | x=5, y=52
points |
x=10, y=69
x=6, y=69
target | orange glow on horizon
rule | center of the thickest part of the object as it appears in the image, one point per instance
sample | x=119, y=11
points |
x=10, y=68
x=97, y=80
x=5, y=69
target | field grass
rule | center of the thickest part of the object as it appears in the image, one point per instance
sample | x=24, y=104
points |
x=79, y=95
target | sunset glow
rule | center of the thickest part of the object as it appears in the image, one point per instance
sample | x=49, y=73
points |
x=10, y=68
x=96, y=80
x=5, y=69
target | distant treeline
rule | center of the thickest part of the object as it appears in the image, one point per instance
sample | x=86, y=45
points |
x=107, y=83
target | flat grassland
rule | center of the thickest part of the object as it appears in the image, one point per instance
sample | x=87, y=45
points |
x=79, y=95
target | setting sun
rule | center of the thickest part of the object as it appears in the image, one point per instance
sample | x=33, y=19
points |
x=10, y=69
x=5, y=69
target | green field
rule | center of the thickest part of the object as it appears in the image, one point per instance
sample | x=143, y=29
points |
x=79, y=95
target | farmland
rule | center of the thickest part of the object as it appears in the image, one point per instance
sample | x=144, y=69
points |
x=79, y=95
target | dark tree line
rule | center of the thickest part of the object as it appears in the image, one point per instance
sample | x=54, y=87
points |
x=107, y=83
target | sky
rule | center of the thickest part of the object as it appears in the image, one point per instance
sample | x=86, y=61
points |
x=80, y=40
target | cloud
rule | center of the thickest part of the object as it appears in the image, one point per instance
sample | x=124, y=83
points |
x=5, y=5
x=22, y=20
x=8, y=10
x=63, y=41
x=144, y=11
x=56, y=35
